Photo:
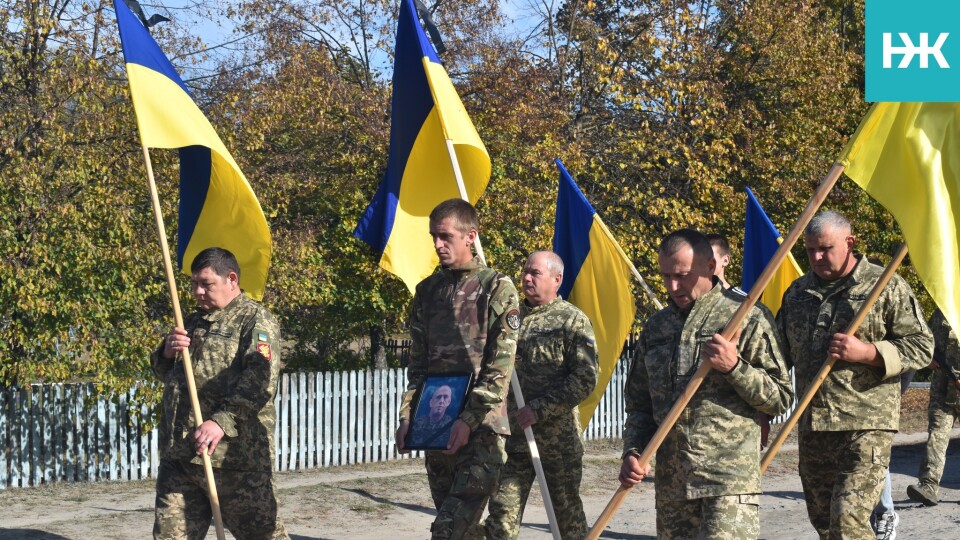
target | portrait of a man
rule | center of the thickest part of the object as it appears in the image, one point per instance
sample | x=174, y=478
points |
x=437, y=409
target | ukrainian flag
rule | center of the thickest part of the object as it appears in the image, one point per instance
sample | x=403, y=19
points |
x=596, y=279
x=760, y=241
x=426, y=112
x=907, y=157
x=217, y=205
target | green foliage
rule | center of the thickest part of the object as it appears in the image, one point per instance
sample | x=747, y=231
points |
x=663, y=110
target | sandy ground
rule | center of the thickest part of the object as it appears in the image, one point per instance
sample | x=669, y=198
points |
x=391, y=500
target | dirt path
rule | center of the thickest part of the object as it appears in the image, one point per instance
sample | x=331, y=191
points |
x=391, y=500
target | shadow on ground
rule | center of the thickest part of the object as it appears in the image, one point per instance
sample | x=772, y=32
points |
x=29, y=534
x=381, y=500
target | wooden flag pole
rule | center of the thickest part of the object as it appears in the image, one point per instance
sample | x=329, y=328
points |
x=636, y=274
x=829, y=363
x=671, y=418
x=185, y=354
x=514, y=381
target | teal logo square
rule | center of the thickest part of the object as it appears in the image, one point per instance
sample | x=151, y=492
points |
x=912, y=50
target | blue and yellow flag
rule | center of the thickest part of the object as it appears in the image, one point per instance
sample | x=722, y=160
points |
x=596, y=279
x=426, y=112
x=217, y=205
x=907, y=157
x=760, y=241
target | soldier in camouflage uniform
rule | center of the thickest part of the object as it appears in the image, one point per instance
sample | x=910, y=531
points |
x=234, y=346
x=708, y=468
x=557, y=369
x=942, y=412
x=463, y=319
x=846, y=433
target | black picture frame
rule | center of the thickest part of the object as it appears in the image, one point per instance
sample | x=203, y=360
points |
x=428, y=431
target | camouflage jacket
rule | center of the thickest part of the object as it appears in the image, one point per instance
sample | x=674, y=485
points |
x=854, y=396
x=236, y=365
x=943, y=389
x=714, y=448
x=461, y=321
x=557, y=369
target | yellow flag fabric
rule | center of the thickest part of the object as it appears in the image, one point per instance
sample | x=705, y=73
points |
x=217, y=205
x=907, y=157
x=426, y=112
x=596, y=279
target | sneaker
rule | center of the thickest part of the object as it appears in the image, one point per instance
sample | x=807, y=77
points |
x=924, y=493
x=886, y=525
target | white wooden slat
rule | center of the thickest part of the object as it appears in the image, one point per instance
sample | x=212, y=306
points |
x=327, y=422
x=312, y=426
x=70, y=432
x=110, y=446
x=23, y=433
x=337, y=419
x=283, y=448
x=301, y=420
x=380, y=437
x=355, y=401
x=277, y=406
x=57, y=436
x=366, y=414
x=90, y=408
x=292, y=441
x=36, y=425
x=121, y=449
x=392, y=421
x=5, y=446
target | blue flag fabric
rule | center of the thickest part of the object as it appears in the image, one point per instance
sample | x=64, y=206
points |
x=760, y=241
x=596, y=279
x=426, y=112
x=217, y=205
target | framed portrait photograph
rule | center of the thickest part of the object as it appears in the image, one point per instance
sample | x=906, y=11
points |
x=438, y=403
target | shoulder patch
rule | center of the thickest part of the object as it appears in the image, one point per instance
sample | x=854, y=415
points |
x=513, y=319
x=264, y=349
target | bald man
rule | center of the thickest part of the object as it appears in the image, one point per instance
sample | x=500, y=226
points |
x=557, y=368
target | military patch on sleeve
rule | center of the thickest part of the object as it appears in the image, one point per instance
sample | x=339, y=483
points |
x=589, y=343
x=264, y=349
x=261, y=336
x=513, y=319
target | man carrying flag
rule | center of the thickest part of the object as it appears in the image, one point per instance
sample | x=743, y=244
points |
x=708, y=468
x=228, y=425
x=846, y=433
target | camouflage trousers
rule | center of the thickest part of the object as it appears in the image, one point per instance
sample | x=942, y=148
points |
x=563, y=473
x=462, y=484
x=941, y=419
x=728, y=517
x=247, y=503
x=843, y=473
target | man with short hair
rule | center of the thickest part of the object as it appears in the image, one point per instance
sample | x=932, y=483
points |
x=942, y=412
x=557, y=368
x=463, y=319
x=708, y=467
x=846, y=433
x=721, y=256
x=233, y=343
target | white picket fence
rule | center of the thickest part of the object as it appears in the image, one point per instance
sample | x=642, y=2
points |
x=67, y=433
